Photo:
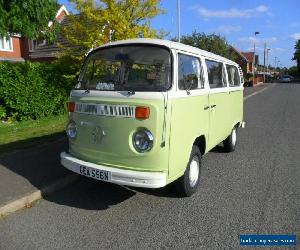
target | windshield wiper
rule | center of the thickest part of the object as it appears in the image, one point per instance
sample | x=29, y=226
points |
x=86, y=86
x=87, y=89
x=131, y=92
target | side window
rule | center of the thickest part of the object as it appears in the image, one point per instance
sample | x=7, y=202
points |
x=233, y=76
x=216, y=74
x=190, y=74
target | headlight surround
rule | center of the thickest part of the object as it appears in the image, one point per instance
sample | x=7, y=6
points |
x=71, y=130
x=142, y=140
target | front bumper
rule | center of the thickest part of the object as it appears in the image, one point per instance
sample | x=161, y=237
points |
x=118, y=176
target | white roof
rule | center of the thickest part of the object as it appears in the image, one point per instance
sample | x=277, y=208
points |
x=171, y=45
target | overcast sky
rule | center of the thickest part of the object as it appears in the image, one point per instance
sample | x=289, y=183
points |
x=278, y=22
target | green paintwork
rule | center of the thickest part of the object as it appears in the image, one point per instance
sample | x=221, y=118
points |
x=116, y=147
x=220, y=119
x=236, y=107
x=186, y=119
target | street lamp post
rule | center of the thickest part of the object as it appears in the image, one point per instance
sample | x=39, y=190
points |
x=178, y=19
x=255, y=33
x=268, y=59
x=265, y=48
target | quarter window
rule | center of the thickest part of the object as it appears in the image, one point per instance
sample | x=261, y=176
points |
x=233, y=75
x=216, y=76
x=190, y=74
x=6, y=43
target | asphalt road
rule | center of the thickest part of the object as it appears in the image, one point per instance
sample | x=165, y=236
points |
x=255, y=190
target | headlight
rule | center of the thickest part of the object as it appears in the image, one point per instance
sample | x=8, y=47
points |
x=71, y=130
x=142, y=140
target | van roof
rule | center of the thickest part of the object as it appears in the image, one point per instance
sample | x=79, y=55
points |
x=171, y=45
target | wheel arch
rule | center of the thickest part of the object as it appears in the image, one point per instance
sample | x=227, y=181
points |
x=236, y=124
x=200, y=142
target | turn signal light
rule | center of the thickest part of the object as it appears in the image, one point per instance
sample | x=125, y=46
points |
x=71, y=106
x=142, y=112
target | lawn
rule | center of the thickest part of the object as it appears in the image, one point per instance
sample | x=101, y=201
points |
x=25, y=133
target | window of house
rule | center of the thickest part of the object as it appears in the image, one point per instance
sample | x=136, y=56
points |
x=216, y=74
x=190, y=74
x=233, y=76
x=37, y=43
x=6, y=43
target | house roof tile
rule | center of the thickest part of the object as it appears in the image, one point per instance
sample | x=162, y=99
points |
x=248, y=55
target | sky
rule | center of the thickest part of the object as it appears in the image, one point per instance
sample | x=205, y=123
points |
x=277, y=21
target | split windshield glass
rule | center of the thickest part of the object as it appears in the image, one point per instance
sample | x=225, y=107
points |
x=127, y=68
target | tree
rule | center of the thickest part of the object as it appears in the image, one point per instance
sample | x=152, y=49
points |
x=29, y=18
x=212, y=43
x=293, y=71
x=297, y=55
x=106, y=20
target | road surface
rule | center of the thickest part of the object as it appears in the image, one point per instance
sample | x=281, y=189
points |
x=255, y=190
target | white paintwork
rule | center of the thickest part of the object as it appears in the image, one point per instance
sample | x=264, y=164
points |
x=194, y=172
x=225, y=89
x=171, y=45
x=233, y=137
x=118, y=176
x=174, y=92
x=118, y=94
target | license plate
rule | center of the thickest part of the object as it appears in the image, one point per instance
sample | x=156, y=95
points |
x=94, y=173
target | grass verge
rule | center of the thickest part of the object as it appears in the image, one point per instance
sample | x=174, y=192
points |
x=27, y=133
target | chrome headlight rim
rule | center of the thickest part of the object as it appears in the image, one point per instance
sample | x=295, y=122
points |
x=71, y=126
x=149, y=137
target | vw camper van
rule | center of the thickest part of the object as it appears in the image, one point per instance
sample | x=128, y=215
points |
x=144, y=112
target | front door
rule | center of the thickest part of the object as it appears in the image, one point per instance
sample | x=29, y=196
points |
x=190, y=114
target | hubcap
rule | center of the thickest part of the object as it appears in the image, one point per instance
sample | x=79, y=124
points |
x=194, y=171
x=233, y=137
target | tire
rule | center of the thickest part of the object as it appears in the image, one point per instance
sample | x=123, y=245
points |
x=230, y=142
x=187, y=184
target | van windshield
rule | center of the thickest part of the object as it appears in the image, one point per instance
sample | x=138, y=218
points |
x=128, y=68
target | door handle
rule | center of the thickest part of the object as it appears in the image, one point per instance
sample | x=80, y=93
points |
x=213, y=106
x=206, y=107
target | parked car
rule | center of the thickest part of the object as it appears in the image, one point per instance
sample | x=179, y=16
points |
x=144, y=112
x=285, y=78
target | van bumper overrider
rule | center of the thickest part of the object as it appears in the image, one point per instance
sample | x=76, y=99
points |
x=118, y=176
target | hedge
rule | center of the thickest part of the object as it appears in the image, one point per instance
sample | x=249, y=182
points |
x=30, y=90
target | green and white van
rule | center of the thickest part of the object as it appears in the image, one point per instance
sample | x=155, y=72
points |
x=145, y=111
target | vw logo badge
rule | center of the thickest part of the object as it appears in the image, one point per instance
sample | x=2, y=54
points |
x=98, y=134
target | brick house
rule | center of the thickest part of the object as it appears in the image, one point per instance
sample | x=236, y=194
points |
x=245, y=60
x=249, y=56
x=16, y=48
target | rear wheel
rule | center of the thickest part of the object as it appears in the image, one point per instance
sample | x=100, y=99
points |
x=230, y=142
x=188, y=183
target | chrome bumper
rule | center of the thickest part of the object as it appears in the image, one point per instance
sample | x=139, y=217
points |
x=118, y=176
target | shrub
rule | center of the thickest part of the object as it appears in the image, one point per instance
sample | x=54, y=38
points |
x=2, y=112
x=33, y=90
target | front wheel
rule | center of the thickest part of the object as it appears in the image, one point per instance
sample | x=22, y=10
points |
x=188, y=183
x=230, y=142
